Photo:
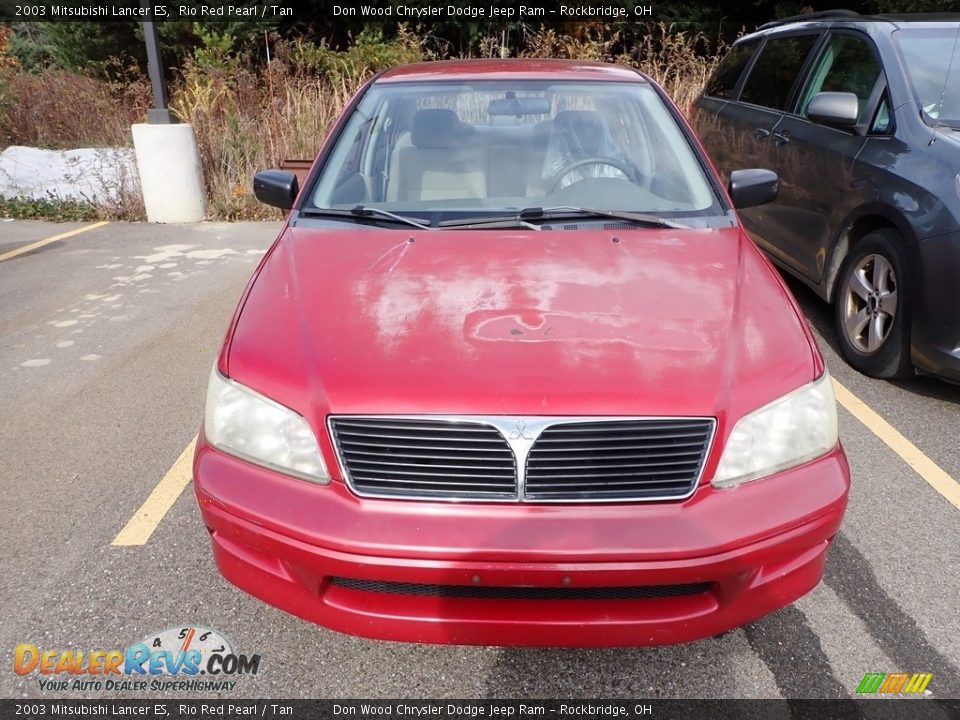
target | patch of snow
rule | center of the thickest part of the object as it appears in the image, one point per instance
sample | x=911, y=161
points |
x=164, y=253
x=210, y=254
x=94, y=175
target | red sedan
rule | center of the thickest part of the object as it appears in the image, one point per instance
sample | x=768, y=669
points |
x=512, y=374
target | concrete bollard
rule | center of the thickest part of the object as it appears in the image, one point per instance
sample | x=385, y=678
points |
x=171, y=177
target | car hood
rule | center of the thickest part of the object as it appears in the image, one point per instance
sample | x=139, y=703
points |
x=659, y=322
x=950, y=134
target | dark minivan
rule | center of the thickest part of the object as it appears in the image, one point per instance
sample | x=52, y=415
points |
x=860, y=118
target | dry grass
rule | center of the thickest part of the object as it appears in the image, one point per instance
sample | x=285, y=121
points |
x=680, y=61
x=247, y=121
x=62, y=110
x=249, y=116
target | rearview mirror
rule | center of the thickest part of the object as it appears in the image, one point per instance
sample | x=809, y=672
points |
x=837, y=109
x=276, y=187
x=519, y=106
x=749, y=188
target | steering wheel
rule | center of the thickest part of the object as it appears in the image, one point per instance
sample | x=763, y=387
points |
x=598, y=160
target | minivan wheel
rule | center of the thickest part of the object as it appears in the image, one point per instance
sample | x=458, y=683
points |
x=872, y=307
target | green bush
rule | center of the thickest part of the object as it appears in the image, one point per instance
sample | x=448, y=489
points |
x=53, y=209
x=369, y=54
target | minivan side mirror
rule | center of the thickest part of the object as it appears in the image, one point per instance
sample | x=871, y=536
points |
x=276, y=187
x=836, y=109
x=749, y=188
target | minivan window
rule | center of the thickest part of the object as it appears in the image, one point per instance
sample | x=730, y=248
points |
x=773, y=74
x=882, y=121
x=728, y=72
x=847, y=64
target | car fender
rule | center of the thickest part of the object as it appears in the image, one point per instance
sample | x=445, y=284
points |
x=857, y=223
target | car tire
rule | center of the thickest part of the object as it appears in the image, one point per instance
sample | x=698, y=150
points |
x=872, y=306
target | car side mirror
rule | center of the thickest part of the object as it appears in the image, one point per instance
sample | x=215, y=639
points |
x=752, y=187
x=276, y=187
x=836, y=109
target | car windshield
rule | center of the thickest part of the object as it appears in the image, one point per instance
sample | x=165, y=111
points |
x=932, y=57
x=439, y=151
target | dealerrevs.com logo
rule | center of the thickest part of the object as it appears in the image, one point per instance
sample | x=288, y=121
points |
x=898, y=683
x=188, y=658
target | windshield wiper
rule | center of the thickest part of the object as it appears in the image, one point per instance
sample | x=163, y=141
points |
x=634, y=217
x=493, y=222
x=361, y=211
x=524, y=216
x=521, y=218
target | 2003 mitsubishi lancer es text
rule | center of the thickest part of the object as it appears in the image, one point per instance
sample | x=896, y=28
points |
x=513, y=374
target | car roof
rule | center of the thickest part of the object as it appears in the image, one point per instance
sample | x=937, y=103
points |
x=510, y=69
x=847, y=18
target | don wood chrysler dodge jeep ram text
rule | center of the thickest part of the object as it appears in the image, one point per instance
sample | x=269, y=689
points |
x=513, y=374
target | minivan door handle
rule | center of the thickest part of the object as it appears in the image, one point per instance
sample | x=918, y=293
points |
x=781, y=139
x=761, y=133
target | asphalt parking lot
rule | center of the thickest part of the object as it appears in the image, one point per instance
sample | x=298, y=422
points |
x=106, y=340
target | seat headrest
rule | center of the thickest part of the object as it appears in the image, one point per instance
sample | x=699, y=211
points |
x=580, y=132
x=439, y=128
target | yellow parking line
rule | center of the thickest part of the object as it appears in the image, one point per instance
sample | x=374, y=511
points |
x=148, y=516
x=934, y=475
x=47, y=241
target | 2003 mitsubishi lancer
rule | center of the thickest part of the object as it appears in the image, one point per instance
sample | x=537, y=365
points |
x=513, y=374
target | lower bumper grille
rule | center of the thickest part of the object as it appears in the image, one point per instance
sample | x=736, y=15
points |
x=492, y=592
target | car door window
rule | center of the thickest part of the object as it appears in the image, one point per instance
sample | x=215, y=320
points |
x=775, y=71
x=847, y=64
x=882, y=122
x=725, y=77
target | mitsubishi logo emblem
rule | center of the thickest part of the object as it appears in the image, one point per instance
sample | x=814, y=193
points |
x=519, y=433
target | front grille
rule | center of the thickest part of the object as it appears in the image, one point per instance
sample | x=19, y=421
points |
x=493, y=592
x=528, y=459
x=618, y=459
x=403, y=457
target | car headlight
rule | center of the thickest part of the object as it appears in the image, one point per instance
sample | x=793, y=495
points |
x=796, y=428
x=246, y=424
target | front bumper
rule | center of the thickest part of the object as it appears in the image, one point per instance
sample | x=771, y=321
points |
x=936, y=315
x=760, y=547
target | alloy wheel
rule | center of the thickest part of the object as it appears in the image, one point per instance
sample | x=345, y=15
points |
x=870, y=303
